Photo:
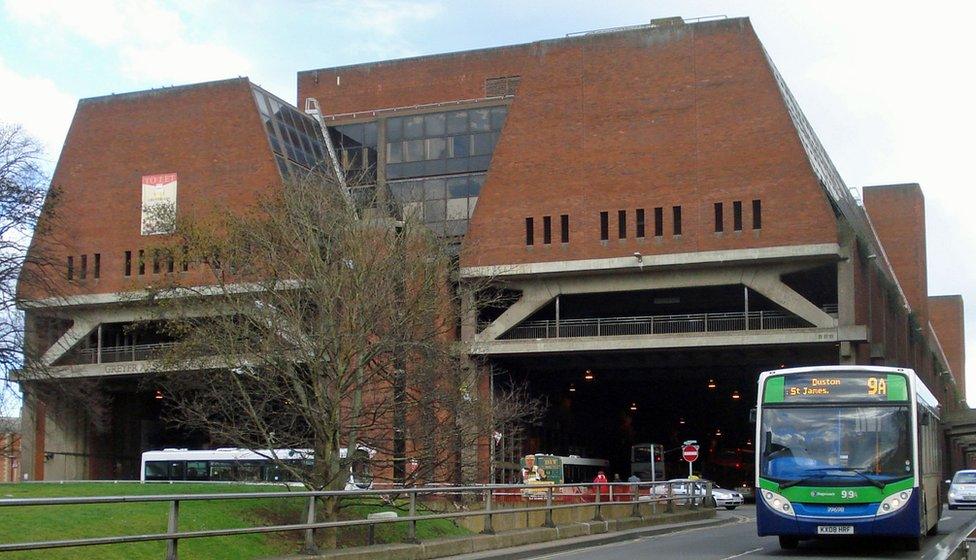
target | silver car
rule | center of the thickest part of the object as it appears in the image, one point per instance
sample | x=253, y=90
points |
x=962, y=489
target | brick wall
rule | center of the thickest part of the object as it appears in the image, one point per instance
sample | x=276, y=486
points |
x=946, y=316
x=210, y=135
x=897, y=213
x=679, y=116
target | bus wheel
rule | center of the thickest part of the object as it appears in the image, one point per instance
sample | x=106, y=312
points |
x=913, y=543
x=788, y=542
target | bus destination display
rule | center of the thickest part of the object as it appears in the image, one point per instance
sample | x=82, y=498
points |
x=843, y=387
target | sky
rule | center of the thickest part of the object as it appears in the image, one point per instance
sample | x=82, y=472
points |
x=888, y=86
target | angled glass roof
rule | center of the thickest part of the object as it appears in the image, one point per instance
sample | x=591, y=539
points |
x=295, y=137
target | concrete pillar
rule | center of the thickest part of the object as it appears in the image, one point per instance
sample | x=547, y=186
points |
x=846, y=292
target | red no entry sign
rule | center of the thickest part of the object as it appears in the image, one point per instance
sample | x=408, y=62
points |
x=689, y=453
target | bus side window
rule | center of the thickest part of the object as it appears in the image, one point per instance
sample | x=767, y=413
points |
x=197, y=470
x=221, y=470
x=157, y=470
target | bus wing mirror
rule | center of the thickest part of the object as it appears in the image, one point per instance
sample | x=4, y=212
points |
x=752, y=415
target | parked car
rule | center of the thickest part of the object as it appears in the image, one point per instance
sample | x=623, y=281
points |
x=962, y=489
x=722, y=497
x=748, y=492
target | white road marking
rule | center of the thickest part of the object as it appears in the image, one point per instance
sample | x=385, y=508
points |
x=946, y=518
x=742, y=553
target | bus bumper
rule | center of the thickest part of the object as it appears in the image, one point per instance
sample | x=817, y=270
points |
x=905, y=522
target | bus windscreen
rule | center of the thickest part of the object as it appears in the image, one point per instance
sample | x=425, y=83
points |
x=836, y=444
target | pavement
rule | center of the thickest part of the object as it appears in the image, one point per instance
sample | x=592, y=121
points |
x=736, y=538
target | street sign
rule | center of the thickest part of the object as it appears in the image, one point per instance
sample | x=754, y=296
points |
x=689, y=453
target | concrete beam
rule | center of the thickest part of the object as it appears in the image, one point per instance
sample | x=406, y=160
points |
x=820, y=252
x=650, y=342
x=770, y=285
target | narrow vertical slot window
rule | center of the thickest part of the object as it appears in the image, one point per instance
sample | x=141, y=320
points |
x=71, y=268
x=547, y=229
x=639, y=219
x=83, y=269
x=128, y=263
x=719, y=218
x=170, y=262
x=142, y=262
x=564, y=228
x=756, y=214
x=659, y=221
x=622, y=224
x=676, y=218
x=737, y=215
x=529, y=231
x=604, y=226
x=97, y=270
x=155, y=257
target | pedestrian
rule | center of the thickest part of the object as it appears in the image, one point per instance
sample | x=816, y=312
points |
x=601, y=481
x=634, y=480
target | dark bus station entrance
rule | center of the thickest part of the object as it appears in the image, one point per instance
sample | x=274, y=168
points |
x=599, y=405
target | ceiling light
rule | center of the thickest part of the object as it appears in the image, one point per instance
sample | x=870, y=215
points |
x=159, y=395
x=633, y=406
x=572, y=387
x=735, y=395
x=711, y=384
x=588, y=375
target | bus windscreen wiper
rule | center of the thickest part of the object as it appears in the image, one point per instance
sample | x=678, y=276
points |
x=821, y=473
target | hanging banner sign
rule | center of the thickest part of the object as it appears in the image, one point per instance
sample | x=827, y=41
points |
x=158, y=204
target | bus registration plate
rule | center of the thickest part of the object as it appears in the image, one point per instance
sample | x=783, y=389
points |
x=835, y=529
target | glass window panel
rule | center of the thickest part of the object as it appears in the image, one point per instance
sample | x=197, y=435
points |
x=479, y=163
x=352, y=158
x=436, y=148
x=413, y=127
x=457, y=165
x=413, y=150
x=434, y=210
x=275, y=105
x=457, y=122
x=434, y=188
x=460, y=146
x=370, y=157
x=394, y=129
x=478, y=118
x=413, y=210
x=480, y=144
x=498, y=115
x=471, y=203
x=436, y=227
x=395, y=170
x=370, y=134
x=415, y=169
x=352, y=134
x=456, y=228
x=475, y=185
x=434, y=124
x=457, y=208
x=435, y=167
x=262, y=103
x=457, y=187
x=394, y=152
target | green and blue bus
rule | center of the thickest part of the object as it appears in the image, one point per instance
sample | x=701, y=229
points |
x=847, y=450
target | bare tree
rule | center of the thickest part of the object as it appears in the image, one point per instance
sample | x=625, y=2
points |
x=29, y=270
x=310, y=325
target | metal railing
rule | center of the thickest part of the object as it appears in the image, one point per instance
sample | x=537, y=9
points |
x=551, y=498
x=111, y=354
x=660, y=324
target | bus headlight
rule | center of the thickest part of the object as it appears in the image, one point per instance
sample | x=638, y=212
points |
x=778, y=503
x=894, y=502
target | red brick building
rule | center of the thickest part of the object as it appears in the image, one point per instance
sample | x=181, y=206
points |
x=652, y=196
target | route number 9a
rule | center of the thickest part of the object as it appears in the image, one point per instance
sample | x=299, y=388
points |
x=848, y=494
x=877, y=386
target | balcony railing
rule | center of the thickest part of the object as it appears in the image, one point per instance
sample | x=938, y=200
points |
x=111, y=354
x=661, y=324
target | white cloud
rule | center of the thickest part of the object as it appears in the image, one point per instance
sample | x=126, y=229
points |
x=38, y=105
x=151, y=41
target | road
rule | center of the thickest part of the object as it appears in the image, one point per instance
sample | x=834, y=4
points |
x=739, y=540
